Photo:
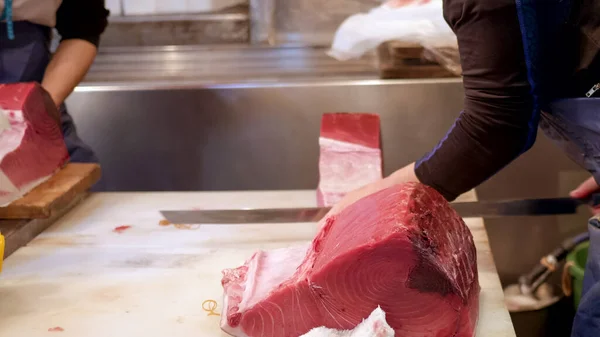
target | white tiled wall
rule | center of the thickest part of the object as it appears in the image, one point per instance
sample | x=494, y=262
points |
x=139, y=7
x=149, y=7
x=211, y=5
x=169, y=6
x=114, y=6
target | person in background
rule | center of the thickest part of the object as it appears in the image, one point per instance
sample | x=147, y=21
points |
x=526, y=64
x=25, y=35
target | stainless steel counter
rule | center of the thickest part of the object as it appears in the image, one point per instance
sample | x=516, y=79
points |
x=169, y=66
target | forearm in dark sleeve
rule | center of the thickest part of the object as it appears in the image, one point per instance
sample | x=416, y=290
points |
x=498, y=122
x=82, y=19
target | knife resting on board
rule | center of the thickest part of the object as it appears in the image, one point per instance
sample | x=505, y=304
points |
x=481, y=209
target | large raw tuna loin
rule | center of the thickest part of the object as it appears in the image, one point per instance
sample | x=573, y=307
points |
x=403, y=249
x=32, y=148
x=350, y=155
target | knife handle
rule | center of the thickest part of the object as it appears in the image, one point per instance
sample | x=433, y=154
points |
x=592, y=200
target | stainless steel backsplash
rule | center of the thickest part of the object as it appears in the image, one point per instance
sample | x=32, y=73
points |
x=314, y=22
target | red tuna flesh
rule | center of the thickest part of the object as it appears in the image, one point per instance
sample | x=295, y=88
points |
x=403, y=249
x=32, y=148
x=350, y=154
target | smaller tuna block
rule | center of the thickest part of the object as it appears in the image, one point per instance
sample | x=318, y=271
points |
x=32, y=148
x=350, y=154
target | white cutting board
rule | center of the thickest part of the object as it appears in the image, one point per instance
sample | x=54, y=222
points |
x=150, y=280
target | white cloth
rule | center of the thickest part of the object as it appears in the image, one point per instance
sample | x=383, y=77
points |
x=419, y=22
x=374, y=326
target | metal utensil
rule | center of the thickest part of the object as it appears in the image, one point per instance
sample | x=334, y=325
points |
x=485, y=209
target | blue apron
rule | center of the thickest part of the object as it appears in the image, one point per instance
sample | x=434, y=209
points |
x=587, y=319
x=24, y=59
x=572, y=123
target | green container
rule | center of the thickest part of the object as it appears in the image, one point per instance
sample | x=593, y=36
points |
x=578, y=258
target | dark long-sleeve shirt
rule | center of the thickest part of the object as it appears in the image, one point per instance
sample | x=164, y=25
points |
x=499, y=118
x=82, y=19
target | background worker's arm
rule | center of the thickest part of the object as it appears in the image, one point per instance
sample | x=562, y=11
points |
x=69, y=65
x=80, y=24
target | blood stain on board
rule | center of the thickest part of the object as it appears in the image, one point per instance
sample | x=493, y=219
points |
x=121, y=229
x=56, y=329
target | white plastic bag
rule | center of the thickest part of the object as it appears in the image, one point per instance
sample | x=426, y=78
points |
x=374, y=326
x=412, y=21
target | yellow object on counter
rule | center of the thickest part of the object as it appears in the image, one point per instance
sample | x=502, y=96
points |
x=1, y=250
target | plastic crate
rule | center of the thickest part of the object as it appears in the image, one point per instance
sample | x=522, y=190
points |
x=578, y=259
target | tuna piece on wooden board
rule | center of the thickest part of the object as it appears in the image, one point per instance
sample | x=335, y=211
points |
x=403, y=249
x=32, y=148
x=350, y=155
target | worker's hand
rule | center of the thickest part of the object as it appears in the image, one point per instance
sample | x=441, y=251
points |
x=403, y=175
x=585, y=189
x=402, y=3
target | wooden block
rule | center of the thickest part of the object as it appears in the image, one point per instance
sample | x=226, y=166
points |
x=18, y=233
x=447, y=57
x=397, y=59
x=404, y=49
x=429, y=71
x=395, y=50
x=54, y=194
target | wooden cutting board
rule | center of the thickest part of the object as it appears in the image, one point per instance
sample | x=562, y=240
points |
x=54, y=194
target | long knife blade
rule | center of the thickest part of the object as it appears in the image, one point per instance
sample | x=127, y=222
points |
x=242, y=216
x=483, y=209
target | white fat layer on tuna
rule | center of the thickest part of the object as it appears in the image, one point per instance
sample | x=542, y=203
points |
x=268, y=270
x=11, y=136
x=14, y=116
x=14, y=193
x=340, y=146
x=237, y=331
x=345, y=170
x=4, y=122
x=6, y=186
x=374, y=326
x=12, y=130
